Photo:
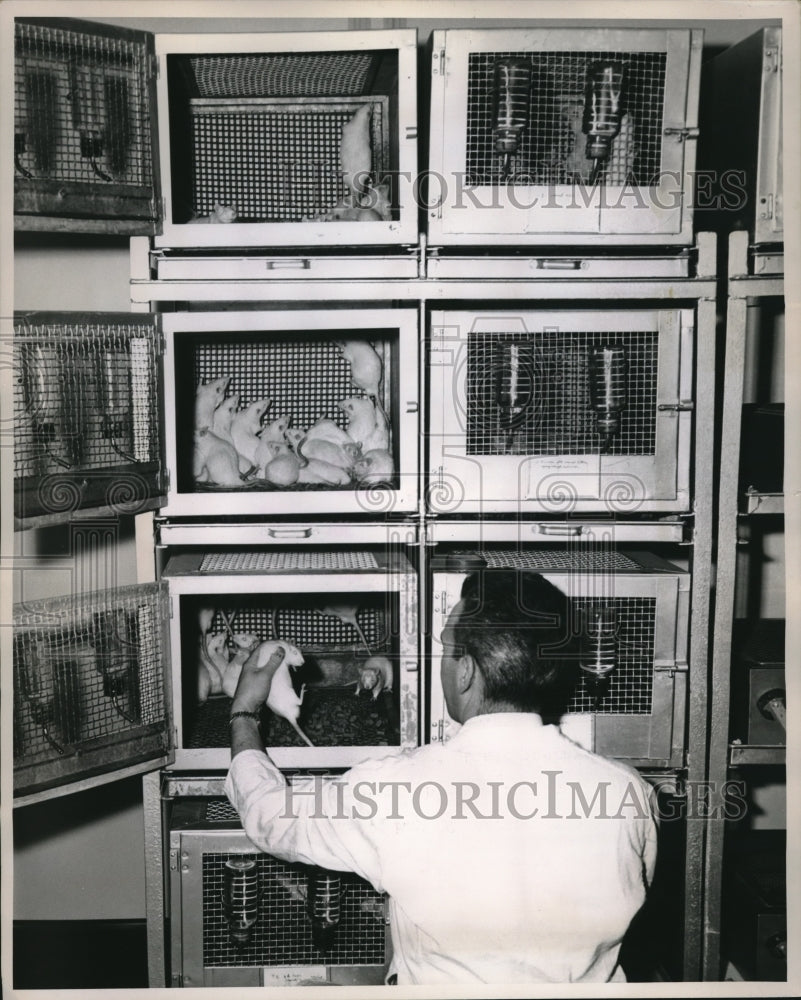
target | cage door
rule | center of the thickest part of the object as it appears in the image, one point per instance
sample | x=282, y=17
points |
x=84, y=128
x=91, y=698
x=563, y=136
x=87, y=424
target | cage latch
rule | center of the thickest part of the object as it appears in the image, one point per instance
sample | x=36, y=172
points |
x=682, y=406
x=671, y=667
x=683, y=133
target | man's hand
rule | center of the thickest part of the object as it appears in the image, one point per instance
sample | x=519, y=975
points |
x=253, y=688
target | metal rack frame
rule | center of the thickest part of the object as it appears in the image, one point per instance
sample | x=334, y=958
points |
x=744, y=287
x=696, y=287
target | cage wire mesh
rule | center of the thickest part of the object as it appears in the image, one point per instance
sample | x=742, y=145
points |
x=85, y=396
x=282, y=934
x=80, y=108
x=554, y=414
x=551, y=146
x=277, y=160
x=283, y=74
x=343, y=560
x=87, y=668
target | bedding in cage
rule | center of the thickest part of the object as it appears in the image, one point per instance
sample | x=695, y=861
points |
x=86, y=413
x=630, y=618
x=89, y=687
x=560, y=411
x=82, y=126
x=241, y=917
x=350, y=613
x=294, y=413
x=288, y=139
x=563, y=135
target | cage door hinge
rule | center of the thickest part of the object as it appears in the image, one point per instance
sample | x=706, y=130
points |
x=174, y=857
x=681, y=133
x=165, y=480
x=440, y=730
x=682, y=406
x=767, y=211
x=154, y=68
x=772, y=61
x=671, y=667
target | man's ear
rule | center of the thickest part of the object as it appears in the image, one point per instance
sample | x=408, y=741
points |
x=466, y=673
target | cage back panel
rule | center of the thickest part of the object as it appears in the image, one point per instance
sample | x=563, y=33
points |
x=89, y=686
x=282, y=933
x=261, y=131
x=550, y=186
x=554, y=410
x=638, y=716
x=82, y=124
x=86, y=413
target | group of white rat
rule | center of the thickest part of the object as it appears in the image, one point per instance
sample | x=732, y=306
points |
x=233, y=446
x=221, y=656
x=362, y=201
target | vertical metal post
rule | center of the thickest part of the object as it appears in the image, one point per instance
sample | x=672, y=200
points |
x=699, y=631
x=154, y=880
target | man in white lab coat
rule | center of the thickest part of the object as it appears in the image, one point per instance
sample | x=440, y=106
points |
x=509, y=853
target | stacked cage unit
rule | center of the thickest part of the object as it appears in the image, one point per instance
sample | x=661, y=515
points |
x=524, y=427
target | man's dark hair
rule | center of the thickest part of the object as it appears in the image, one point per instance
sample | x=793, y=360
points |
x=516, y=627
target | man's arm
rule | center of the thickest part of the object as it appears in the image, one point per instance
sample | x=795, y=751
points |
x=297, y=824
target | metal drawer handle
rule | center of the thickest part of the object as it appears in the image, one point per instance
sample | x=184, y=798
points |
x=297, y=264
x=557, y=265
x=560, y=530
x=290, y=532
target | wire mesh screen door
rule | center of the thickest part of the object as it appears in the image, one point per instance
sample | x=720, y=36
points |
x=82, y=127
x=86, y=413
x=89, y=686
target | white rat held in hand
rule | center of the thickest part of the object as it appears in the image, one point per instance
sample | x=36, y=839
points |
x=282, y=699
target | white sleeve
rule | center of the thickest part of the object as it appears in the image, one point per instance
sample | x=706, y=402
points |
x=315, y=820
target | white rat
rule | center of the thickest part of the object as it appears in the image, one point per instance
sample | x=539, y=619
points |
x=367, y=424
x=245, y=428
x=377, y=200
x=215, y=460
x=282, y=698
x=376, y=466
x=329, y=431
x=366, y=369
x=354, y=150
x=207, y=398
x=222, y=425
x=271, y=435
x=375, y=675
x=324, y=451
x=317, y=471
x=283, y=469
x=219, y=214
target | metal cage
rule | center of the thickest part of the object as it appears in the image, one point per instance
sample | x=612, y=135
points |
x=559, y=411
x=256, y=126
x=340, y=607
x=563, y=136
x=83, y=147
x=279, y=946
x=640, y=715
x=89, y=686
x=87, y=429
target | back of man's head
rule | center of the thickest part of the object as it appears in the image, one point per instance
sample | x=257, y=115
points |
x=517, y=628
